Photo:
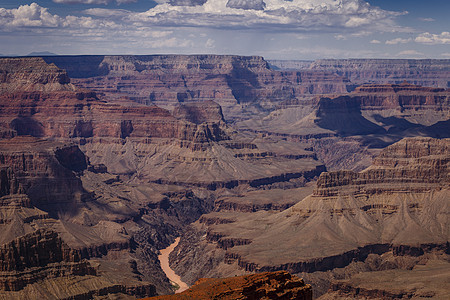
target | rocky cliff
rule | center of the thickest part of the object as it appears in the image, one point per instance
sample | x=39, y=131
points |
x=415, y=165
x=31, y=74
x=82, y=115
x=44, y=171
x=401, y=110
x=346, y=131
x=234, y=82
x=276, y=285
x=425, y=72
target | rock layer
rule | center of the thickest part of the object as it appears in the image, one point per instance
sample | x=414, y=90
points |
x=426, y=72
x=234, y=82
x=400, y=202
x=31, y=74
x=276, y=285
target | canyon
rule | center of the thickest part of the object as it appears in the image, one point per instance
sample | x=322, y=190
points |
x=334, y=176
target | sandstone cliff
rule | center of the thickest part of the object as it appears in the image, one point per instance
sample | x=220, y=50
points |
x=42, y=170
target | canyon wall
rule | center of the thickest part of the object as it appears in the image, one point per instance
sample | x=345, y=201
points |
x=234, y=82
x=425, y=72
x=397, y=207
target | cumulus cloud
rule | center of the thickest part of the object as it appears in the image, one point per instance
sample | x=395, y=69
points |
x=296, y=15
x=171, y=23
x=427, y=19
x=106, y=13
x=247, y=4
x=93, y=1
x=398, y=41
x=276, y=15
x=210, y=43
x=433, y=39
x=375, y=42
x=410, y=53
x=31, y=15
x=186, y=2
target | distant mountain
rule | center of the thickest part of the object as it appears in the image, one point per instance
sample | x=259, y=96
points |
x=43, y=53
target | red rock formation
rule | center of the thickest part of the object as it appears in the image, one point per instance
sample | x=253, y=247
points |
x=31, y=74
x=381, y=109
x=43, y=170
x=402, y=96
x=410, y=165
x=276, y=285
x=81, y=115
x=35, y=256
x=199, y=112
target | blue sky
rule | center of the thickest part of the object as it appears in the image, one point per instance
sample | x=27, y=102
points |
x=275, y=29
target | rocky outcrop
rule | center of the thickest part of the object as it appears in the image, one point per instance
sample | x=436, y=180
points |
x=42, y=170
x=199, y=112
x=31, y=74
x=36, y=256
x=385, y=109
x=413, y=165
x=401, y=96
x=275, y=285
x=425, y=280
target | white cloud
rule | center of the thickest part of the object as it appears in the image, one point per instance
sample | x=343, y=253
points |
x=411, y=53
x=351, y=16
x=106, y=13
x=31, y=15
x=433, y=39
x=398, y=41
x=296, y=15
x=446, y=55
x=210, y=43
x=427, y=19
x=246, y=4
x=375, y=42
x=175, y=26
x=93, y=1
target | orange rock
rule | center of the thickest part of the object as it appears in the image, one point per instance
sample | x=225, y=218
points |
x=269, y=285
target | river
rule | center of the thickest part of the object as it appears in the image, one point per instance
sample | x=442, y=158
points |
x=164, y=260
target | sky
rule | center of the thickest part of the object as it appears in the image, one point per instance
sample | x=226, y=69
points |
x=274, y=29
